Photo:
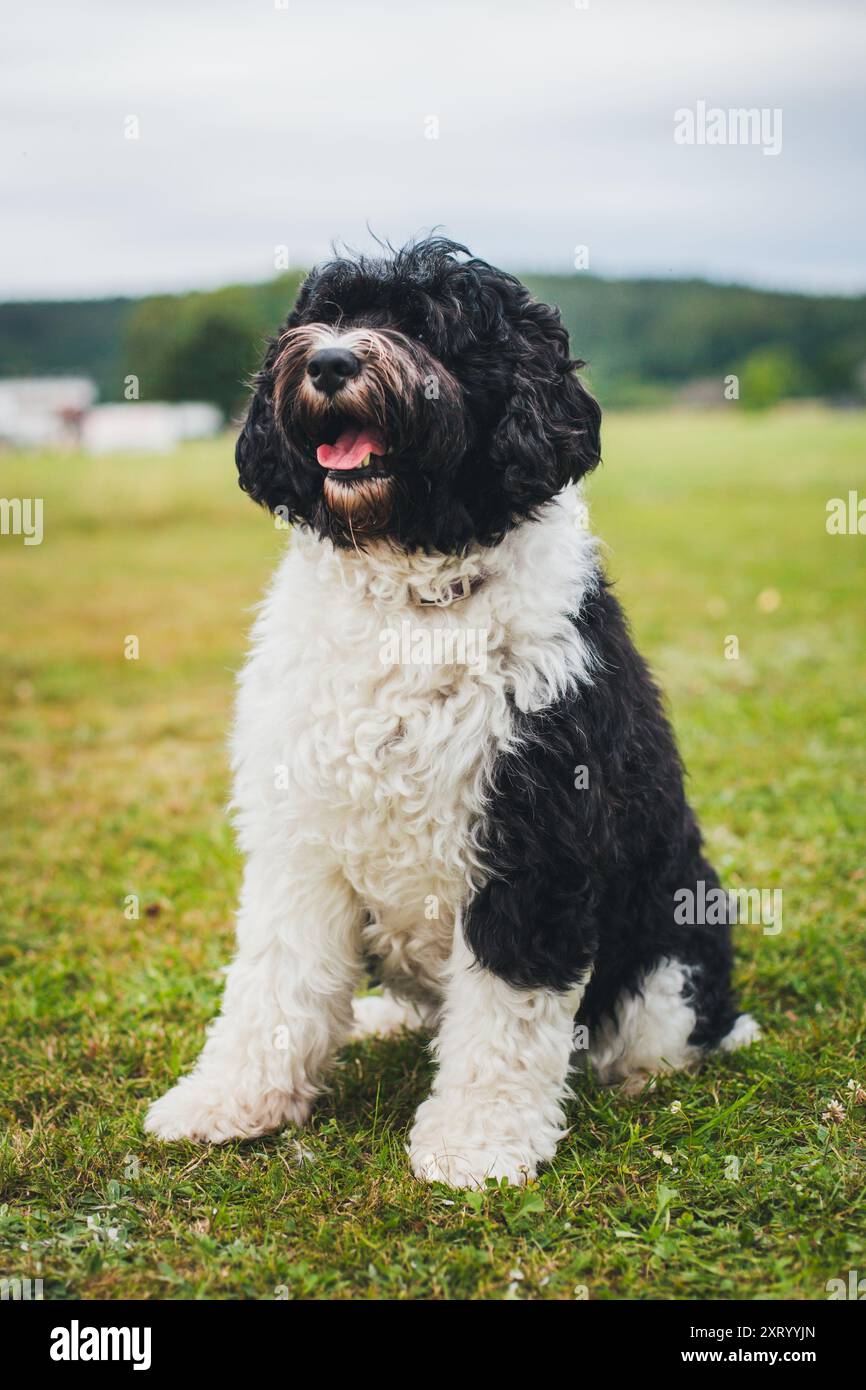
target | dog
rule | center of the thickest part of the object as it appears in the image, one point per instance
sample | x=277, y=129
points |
x=498, y=842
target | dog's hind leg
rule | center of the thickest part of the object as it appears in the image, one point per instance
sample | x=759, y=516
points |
x=287, y=1007
x=659, y=1028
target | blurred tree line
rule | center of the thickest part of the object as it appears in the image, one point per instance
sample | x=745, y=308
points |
x=205, y=346
x=645, y=340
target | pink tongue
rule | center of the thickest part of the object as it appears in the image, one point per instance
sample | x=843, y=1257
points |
x=353, y=445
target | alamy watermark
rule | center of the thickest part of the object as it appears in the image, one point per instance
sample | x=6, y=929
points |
x=712, y=125
x=77, y=1343
x=22, y=516
x=434, y=646
x=14, y=1290
x=853, y=1288
x=846, y=516
x=713, y=906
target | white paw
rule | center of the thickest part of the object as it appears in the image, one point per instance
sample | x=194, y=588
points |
x=210, y=1113
x=382, y=1016
x=459, y=1165
x=460, y=1147
x=463, y=1139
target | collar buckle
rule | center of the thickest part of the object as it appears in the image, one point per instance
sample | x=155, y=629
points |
x=458, y=589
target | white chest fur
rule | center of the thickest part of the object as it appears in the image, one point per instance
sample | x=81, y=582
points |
x=368, y=723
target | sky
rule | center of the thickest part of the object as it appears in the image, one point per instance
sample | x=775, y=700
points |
x=269, y=129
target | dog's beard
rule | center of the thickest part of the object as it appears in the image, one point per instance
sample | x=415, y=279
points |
x=360, y=508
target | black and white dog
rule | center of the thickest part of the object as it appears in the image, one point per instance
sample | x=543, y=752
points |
x=450, y=764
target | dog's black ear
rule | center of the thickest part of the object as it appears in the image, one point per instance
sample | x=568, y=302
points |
x=266, y=470
x=549, y=434
x=258, y=452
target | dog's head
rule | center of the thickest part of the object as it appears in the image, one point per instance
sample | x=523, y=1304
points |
x=425, y=398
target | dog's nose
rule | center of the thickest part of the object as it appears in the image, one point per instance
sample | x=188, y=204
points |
x=330, y=368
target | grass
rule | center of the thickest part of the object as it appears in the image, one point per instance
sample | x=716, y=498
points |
x=727, y=1184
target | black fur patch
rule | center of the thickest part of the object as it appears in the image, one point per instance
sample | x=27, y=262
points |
x=586, y=876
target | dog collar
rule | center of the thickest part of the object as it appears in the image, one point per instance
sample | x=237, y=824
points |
x=458, y=589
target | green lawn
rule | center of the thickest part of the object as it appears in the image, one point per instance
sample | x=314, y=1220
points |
x=726, y=1184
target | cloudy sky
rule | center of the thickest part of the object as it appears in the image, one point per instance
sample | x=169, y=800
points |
x=271, y=123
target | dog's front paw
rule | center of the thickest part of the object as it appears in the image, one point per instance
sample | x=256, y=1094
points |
x=458, y=1165
x=460, y=1147
x=209, y=1113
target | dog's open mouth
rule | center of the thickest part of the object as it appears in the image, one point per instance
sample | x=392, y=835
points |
x=352, y=449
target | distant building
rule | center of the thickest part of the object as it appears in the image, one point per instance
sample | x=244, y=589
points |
x=147, y=426
x=44, y=412
x=60, y=412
